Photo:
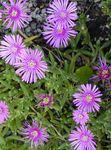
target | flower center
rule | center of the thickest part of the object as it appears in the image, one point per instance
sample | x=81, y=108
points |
x=105, y=73
x=89, y=98
x=14, y=13
x=31, y=64
x=60, y=30
x=46, y=100
x=63, y=14
x=34, y=133
x=80, y=116
x=14, y=49
x=85, y=138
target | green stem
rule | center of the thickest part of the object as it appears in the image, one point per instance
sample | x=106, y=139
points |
x=61, y=137
x=33, y=109
x=91, y=46
x=21, y=33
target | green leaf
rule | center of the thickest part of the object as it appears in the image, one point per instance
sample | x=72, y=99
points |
x=25, y=89
x=2, y=141
x=30, y=39
x=83, y=74
x=38, y=47
x=64, y=146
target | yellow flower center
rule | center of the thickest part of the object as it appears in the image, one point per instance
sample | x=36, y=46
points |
x=34, y=133
x=46, y=100
x=60, y=30
x=14, y=13
x=85, y=138
x=31, y=64
x=104, y=72
x=14, y=49
x=88, y=98
x=63, y=15
x=80, y=116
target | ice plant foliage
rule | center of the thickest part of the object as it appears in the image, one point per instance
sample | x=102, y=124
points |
x=82, y=139
x=80, y=117
x=31, y=66
x=45, y=100
x=4, y=112
x=58, y=36
x=35, y=134
x=63, y=12
x=87, y=98
x=11, y=48
x=103, y=71
x=16, y=14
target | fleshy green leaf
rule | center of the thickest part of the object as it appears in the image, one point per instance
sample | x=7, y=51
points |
x=83, y=74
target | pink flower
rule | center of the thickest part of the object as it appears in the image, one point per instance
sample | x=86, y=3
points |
x=11, y=48
x=80, y=117
x=4, y=112
x=16, y=14
x=45, y=100
x=58, y=36
x=31, y=66
x=62, y=12
x=82, y=139
x=35, y=134
x=87, y=98
x=103, y=71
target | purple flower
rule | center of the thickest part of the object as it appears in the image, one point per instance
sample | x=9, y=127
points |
x=82, y=139
x=58, y=36
x=80, y=117
x=4, y=112
x=45, y=100
x=63, y=13
x=87, y=98
x=16, y=14
x=31, y=66
x=35, y=134
x=0, y=16
x=103, y=71
x=11, y=48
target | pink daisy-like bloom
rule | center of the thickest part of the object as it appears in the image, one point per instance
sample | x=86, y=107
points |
x=4, y=112
x=82, y=139
x=87, y=98
x=16, y=14
x=80, y=117
x=11, y=48
x=103, y=71
x=58, y=36
x=62, y=12
x=45, y=100
x=31, y=66
x=35, y=134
